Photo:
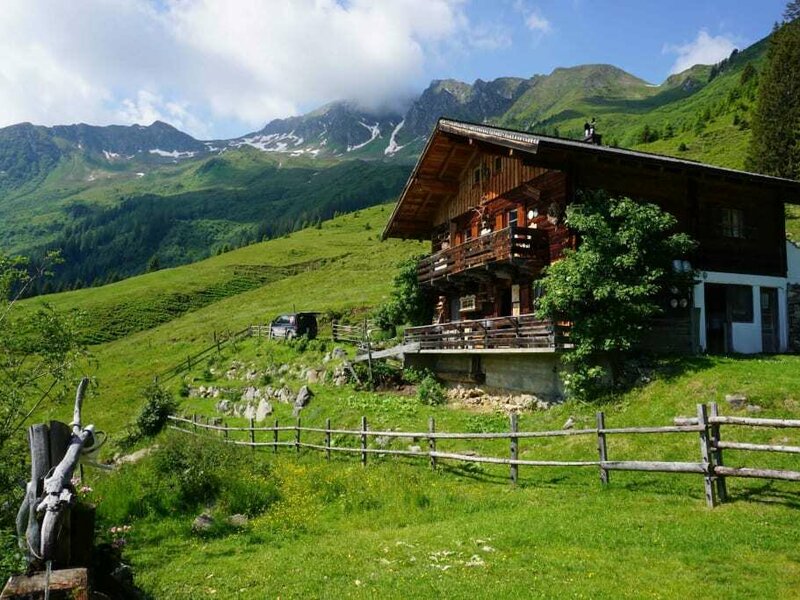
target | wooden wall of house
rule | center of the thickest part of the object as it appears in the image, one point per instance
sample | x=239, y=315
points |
x=506, y=183
x=696, y=204
x=493, y=182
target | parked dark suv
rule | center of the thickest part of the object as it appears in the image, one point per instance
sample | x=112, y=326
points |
x=292, y=325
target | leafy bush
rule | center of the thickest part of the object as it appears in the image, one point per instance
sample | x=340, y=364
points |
x=611, y=285
x=431, y=392
x=192, y=467
x=159, y=404
x=408, y=303
x=248, y=493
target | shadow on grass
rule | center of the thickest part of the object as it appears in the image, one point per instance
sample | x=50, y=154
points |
x=765, y=493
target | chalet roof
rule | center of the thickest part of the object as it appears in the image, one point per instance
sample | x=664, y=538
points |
x=453, y=144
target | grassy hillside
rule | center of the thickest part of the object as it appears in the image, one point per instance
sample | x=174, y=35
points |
x=110, y=223
x=397, y=530
x=159, y=318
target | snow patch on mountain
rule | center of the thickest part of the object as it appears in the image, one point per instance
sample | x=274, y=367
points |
x=393, y=145
x=109, y=155
x=172, y=154
x=375, y=132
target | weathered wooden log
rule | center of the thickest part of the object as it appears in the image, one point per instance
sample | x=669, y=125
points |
x=758, y=447
x=75, y=581
x=58, y=492
x=757, y=473
x=756, y=422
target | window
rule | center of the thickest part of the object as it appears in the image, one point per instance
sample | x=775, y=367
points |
x=476, y=176
x=731, y=223
x=513, y=215
x=740, y=303
x=498, y=164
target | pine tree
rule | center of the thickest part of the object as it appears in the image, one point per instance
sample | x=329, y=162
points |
x=774, y=148
x=792, y=11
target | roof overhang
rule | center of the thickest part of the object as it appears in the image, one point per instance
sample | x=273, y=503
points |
x=453, y=145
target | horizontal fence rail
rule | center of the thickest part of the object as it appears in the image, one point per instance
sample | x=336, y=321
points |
x=707, y=426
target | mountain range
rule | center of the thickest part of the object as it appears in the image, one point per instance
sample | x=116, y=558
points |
x=113, y=198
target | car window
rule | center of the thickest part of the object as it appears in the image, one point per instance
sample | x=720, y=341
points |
x=283, y=320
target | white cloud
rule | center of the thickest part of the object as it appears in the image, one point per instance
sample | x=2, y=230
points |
x=490, y=36
x=536, y=22
x=533, y=18
x=198, y=63
x=704, y=50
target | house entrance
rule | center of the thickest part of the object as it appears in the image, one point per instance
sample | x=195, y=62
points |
x=726, y=304
x=770, y=341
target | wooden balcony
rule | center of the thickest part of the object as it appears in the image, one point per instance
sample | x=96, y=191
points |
x=522, y=333
x=521, y=247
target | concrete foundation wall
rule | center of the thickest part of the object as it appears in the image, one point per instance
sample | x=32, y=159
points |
x=534, y=373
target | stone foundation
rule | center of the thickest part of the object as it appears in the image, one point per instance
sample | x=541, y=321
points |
x=793, y=300
x=526, y=373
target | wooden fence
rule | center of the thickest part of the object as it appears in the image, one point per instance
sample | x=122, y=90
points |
x=707, y=426
x=220, y=341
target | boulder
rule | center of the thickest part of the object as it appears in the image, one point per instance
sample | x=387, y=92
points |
x=285, y=395
x=303, y=397
x=202, y=523
x=224, y=407
x=263, y=411
x=753, y=408
x=736, y=401
x=312, y=376
x=238, y=520
x=237, y=409
x=326, y=359
x=249, y=412
x=283, y=369
x=251, y=394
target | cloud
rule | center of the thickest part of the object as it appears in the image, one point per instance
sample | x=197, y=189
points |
x=536, y=22
x=532, y=17
x=490, y=36
x=704, y=50
x=202, y=63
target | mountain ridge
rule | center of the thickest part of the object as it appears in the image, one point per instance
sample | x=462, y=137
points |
x=58, y=183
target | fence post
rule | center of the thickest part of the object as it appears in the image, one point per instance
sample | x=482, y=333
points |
x=364, y=441
x=297, y=436
x=432, y=442
x=722, y=486
x=705, y=455
x=252, y=434
x=194, y=422
x=225, y=430
x=602, y=448
x=188, y=363
x=275, y=437
x=514, y=447
x=328, y=439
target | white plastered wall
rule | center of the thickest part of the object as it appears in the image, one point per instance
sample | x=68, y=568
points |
x=793, y=262
x=746, y=337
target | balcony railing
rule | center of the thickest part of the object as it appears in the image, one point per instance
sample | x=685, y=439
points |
x=522, y=332
x=525, y=247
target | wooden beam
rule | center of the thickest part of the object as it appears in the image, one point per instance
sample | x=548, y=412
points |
x=436, y=186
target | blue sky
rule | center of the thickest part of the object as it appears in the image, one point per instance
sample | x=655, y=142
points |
x=222, y=68
x=640, y=36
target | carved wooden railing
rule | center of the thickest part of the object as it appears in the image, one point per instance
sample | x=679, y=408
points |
x=512, y=244
x=524, y=331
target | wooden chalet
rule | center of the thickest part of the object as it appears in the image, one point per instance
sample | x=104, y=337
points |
x=492, y=203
